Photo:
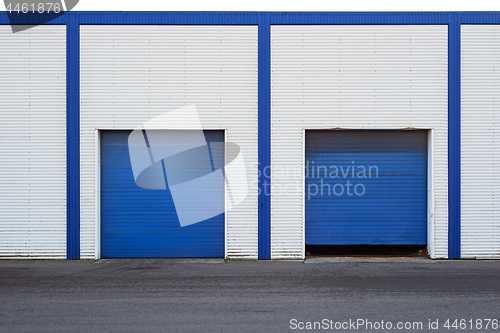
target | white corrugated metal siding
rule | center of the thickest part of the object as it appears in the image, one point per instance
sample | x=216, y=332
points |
x=480, y=169
x=130, y=74
x=365, y=77
x=33, y=142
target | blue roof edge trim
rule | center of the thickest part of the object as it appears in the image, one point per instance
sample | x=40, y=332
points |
x=252, y=18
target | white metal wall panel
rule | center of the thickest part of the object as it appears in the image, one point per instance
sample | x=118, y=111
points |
x=130, y=74
x=33, y=142
x=480, y=171
x=359, y=77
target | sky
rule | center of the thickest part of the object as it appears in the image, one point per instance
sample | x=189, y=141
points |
x=288, y=5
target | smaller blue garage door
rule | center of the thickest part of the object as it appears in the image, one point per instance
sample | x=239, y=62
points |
x=366, y=187
x=138, y=222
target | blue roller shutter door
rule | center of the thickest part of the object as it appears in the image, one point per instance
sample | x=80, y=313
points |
x=378, y=187
x=138, y=222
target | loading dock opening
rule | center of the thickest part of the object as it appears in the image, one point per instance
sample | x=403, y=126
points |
x=366, y=251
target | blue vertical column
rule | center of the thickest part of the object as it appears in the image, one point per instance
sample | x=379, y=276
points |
x=264, y=136
x=72, y=137
x=454, y=137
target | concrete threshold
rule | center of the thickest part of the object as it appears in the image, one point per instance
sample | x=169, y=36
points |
x=367, y=260
x=164, y=260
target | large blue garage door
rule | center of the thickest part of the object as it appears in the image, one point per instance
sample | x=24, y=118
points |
x=366, y=187
x=141, y=222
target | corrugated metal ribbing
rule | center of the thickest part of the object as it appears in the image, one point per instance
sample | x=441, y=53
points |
x=364, y=77
x=480, y=91
x=366, y=187
x=130, y=74
x=33, y=142
x=139, y=222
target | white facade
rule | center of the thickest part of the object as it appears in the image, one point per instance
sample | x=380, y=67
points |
x=480, y=172
x=355, y=77
x=130, y=74
x=33, y=142
x=322, y=77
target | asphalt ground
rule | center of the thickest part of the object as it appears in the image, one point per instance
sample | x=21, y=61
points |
x=161, y=295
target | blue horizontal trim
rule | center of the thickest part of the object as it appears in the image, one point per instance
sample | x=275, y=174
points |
x=478, y=18
x=359, y=18
x=6, y=18
x=131, y=18
x=252, y=18
x=185, y=18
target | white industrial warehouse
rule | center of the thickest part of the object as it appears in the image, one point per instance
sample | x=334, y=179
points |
x=350, y=130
